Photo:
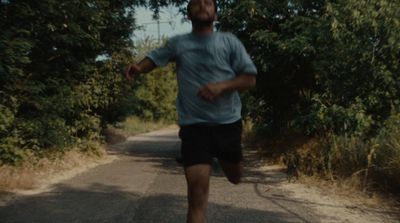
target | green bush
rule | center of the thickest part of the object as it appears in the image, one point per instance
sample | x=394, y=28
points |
x=329, y=70
x=55, y=94
x=61, y=74
x=154, y=94
x=386, y=161
x=324, y=66
x=374, y=161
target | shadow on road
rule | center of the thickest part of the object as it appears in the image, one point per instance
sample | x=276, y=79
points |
x=257, y=200
x=103, y=203
x=161, y=151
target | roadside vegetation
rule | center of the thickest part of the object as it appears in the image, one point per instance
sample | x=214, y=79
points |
x=326, y=101
x=62, y=85
x=327, y=97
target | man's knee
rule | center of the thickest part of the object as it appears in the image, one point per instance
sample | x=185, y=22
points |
x=233, y=171
x=198, y=185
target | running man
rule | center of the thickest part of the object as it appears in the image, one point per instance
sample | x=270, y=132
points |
x=211, y=68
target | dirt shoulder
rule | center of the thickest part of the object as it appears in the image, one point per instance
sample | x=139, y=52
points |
x=34, y=178
x=340, y=204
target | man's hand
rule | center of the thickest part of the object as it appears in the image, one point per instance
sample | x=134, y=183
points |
x=144, y=66
x=131, y=71
x=210, y=92
x=241, y=82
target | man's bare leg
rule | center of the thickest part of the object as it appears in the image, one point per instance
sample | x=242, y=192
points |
x=198, y=181
x=233, y=171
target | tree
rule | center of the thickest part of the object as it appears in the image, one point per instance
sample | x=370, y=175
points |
x=50, y=78
x=279, y=36
x=324, y=66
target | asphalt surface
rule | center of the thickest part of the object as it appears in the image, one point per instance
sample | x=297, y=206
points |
x=146, y=185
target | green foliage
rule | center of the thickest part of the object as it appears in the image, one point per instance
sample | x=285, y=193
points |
x=278, y=36
x=358, y=60
x=154, y=94
x=62, y=74
x=324, y=66
x=54, y=92
x=133, y=125
x=374, y=161
x=112, y=92
x=386, y=160
x=328, y=69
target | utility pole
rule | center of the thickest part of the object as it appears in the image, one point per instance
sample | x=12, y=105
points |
x=158, y=22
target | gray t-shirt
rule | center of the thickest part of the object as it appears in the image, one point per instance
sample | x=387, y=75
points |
x=201, y=60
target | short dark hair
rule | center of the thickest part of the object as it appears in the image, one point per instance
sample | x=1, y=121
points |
x=190, y=4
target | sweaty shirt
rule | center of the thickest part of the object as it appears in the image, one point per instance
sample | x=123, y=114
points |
x=201, y=60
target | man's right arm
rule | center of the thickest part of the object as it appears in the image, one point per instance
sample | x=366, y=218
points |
x=144, y=66
x=156, y=58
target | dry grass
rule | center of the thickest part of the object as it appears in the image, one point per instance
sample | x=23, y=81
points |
x=349, y=189
x=313, y=170
x=336, y=166
x=33, y=172
x=134, y=125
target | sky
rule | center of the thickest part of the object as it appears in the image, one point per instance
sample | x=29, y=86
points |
x=170, y=23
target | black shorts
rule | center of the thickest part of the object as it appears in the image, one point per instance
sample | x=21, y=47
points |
x=202, y=142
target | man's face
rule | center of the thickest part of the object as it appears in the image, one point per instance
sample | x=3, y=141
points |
x=202, y=11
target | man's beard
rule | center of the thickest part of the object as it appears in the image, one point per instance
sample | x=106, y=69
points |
x=201, y=23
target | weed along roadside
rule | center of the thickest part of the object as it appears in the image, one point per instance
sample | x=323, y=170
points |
x=38, y=171
x=329, y=164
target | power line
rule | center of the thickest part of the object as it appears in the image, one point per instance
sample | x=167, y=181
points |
x=158, y=22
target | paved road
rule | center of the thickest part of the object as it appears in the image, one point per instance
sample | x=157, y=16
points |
x=146, y=185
